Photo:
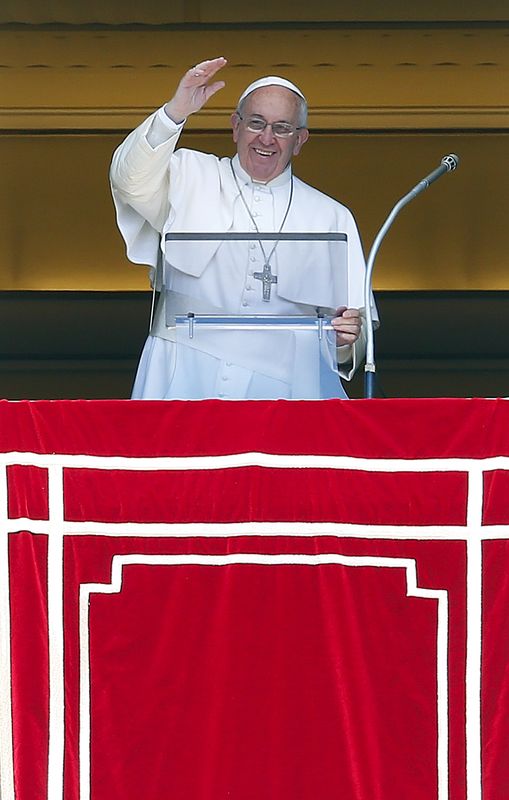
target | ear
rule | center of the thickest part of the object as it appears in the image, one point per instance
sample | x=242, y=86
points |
x=235, y=125
x=300, y=140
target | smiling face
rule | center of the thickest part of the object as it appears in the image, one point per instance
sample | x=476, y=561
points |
x=263, y=155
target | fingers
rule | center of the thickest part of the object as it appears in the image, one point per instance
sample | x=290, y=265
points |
x=213, y=88
x=346, y=317
x=347, y=325
x=210, y=65
x=347, y=336
x=194, y=89
x=206, y=69
x=347, y=313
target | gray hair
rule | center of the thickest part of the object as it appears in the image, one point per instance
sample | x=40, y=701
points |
x=302, y=117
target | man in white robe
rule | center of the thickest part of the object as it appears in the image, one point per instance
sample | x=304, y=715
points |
x=158, y=189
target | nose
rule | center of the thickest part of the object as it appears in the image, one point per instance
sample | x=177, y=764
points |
x=266, y=136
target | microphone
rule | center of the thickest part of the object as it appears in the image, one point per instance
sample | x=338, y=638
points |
x=448, y=164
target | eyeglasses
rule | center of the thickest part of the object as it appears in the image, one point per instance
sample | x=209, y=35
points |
x=280, y=129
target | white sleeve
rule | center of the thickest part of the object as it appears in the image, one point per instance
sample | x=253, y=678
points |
x=140, y=176
x=351, y=356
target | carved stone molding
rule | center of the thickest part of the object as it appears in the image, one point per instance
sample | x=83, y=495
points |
x=356, y=79
x=155, y=12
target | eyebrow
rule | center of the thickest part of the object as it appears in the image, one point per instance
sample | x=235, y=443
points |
x=276, y=121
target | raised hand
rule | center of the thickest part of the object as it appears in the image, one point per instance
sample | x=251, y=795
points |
x=194, y=89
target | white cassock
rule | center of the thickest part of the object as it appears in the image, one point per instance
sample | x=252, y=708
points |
x=158, y=190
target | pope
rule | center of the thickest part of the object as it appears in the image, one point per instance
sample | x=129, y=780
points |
x=159, y=188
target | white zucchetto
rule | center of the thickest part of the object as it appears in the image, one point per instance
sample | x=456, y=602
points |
x=270, y=80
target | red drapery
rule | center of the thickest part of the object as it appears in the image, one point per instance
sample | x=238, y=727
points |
x=213, y=600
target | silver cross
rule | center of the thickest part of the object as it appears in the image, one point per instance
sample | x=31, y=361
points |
x=267, y=279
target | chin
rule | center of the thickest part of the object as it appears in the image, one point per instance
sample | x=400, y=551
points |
x=261, y=174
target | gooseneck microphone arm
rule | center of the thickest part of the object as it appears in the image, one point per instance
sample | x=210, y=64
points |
x=448, y=164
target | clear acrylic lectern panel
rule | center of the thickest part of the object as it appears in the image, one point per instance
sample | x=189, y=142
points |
x=313, y=266
x=310, y=268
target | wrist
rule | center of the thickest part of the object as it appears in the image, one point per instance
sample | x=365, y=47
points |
x=174, y=113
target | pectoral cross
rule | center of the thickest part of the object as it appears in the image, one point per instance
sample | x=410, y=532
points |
x=267, y=279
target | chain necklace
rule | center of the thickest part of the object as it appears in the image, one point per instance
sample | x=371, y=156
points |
x=266, y=276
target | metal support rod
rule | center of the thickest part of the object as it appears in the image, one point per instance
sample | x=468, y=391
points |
x=448, y=164
x=370, y=367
